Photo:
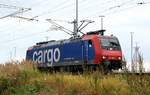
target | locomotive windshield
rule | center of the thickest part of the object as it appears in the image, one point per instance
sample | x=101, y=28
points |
x=108, y=43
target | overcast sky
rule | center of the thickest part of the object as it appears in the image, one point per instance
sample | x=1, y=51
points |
x=121, y=18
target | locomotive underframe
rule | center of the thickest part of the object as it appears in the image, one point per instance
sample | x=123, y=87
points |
x=106, y=66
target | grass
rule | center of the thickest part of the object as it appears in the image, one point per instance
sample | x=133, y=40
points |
x=21, y=78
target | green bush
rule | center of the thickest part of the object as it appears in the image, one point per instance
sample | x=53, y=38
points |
x=23, y=79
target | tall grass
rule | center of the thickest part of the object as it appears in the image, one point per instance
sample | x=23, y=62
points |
x=21, y=78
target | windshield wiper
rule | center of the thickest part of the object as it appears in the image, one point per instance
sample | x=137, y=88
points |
x=114, y=43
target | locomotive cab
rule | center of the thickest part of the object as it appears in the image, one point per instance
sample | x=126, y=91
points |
x=107, y=49
x=111, y=54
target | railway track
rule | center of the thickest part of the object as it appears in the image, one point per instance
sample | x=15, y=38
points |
x=131, y=73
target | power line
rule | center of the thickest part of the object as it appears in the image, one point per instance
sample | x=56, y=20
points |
x=9, y=6
x=55, y=9
x=22, y=10
x=127, y=3
x=115, y=7
x=38, y=3
x=18, y=29
x=140, y=3
x=97, y=4
x=13, y=27
x=103, y=9
x=19, y=38
x=8, y=28
x=60, y=27
x=25, y=18
x=131, y=7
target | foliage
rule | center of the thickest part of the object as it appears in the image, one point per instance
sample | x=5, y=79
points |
x=21, y=78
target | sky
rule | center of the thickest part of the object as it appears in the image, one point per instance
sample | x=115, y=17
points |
x=121, y=17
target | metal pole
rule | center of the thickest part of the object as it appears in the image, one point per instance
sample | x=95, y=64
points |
x=75, y=32
x=76, y=17
x=101, y=22
x=132, y=51
x=136, y=57
x=46, y=38
x=15, y=52
x=10, y=55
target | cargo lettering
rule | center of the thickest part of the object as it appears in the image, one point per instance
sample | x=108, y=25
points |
x=47, y=56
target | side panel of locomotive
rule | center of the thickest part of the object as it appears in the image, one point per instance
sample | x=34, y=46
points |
x=75, y=52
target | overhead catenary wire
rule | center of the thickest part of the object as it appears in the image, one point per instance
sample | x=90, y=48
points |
x=25, y=18
x=36, y=4
x=23, y=37
x=141, y=3
x=130, y=7
x=115, y=7
x=57, y=8
x=106, y=8
x=97, y=4
x=109, y=10
x=19, y=38
x=10, y=28
x=13, y=31
x=60, y=27
x=9, y=6
x=17, y=12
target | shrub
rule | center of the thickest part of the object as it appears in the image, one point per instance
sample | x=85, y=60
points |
x=22, y=78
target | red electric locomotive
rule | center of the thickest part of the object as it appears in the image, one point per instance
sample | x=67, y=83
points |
x=92, y=50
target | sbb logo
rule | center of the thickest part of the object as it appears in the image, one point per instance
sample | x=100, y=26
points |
x=47, y=56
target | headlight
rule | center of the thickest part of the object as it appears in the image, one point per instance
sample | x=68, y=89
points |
x=119, y=58
x=103, y=57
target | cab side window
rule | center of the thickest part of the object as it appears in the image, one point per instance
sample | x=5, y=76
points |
x=90, y=43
